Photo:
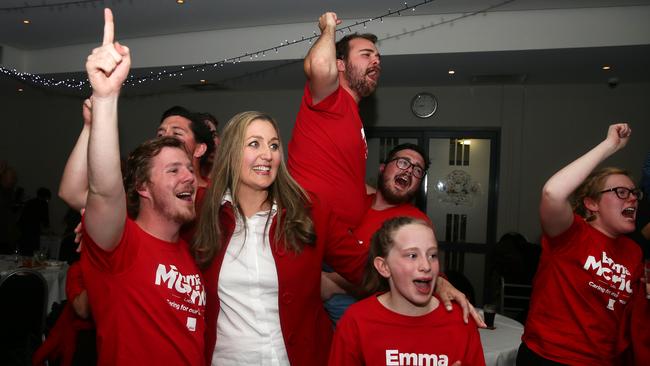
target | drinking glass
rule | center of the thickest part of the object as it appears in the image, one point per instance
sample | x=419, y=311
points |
x=489, y=312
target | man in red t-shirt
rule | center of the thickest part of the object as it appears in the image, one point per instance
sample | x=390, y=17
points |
x=400, y=178
x=145, y=290
x=327, y=152
x=176, y=122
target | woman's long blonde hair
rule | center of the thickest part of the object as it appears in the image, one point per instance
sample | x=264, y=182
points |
x=294, y=224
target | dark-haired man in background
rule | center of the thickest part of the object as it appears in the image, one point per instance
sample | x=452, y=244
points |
x=190, y=128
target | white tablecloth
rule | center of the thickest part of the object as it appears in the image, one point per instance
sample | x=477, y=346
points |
x=500, y=345
x=54, y=275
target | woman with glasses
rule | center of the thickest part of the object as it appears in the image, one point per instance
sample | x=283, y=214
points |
x=588, y=268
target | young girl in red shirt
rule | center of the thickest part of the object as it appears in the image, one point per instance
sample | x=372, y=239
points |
x=405, y=324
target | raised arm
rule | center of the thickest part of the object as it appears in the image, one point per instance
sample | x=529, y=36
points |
x=555, y=209
x=320, y=62
x=74, y=182
x=107, y=67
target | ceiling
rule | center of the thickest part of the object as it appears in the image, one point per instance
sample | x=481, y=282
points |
x=74, y=22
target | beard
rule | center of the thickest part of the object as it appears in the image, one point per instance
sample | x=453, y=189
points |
x=357, y=80
x=170, y=208
x=392, y=197
x=180, y=215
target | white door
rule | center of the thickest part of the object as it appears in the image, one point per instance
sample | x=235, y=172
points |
x=458, y=194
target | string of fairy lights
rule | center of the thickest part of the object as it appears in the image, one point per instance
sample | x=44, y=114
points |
x=132, y=80
x=58, y=5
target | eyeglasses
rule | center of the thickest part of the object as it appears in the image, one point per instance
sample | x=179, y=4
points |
x=623, y=193
x=404, y=164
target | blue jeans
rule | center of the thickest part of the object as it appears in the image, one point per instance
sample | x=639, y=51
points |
x=338, y=303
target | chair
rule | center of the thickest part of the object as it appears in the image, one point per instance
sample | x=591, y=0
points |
x=23, y=294
x=462, y=283
x=514, y=266
x=515, y=300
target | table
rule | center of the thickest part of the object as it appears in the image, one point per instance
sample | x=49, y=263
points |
x=500, y=345
x=52, y=244
x=54, y=275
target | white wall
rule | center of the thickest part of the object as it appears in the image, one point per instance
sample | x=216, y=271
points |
x=543, y=127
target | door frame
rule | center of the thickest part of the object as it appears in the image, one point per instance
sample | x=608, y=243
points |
x=423, y=134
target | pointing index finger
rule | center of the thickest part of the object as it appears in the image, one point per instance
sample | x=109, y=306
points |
x=109, y=27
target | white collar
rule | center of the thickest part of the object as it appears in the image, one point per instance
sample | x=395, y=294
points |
x=227, y=197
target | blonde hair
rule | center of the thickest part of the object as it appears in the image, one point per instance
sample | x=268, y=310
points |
x=591, y=187
x=381, y=243
x=294, y=224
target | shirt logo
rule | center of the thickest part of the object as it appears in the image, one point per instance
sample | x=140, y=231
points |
x=188, y=285
x=365, y=143
x=615, y=274
x=613, y=278
x=396, y=358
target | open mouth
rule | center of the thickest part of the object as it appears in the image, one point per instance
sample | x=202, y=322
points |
x=185, y=196
x=262, y=168
x=373, y=73
x=423, y=285
x=629, y=213
x=403, y=181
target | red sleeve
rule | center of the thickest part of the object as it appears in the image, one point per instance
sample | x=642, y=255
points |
x=566, y=237
x=633, y=345
x=74, y=283
x=474, y=353
x=326, y=105
x=346, y=349
x=343, y=251
x=118, y=260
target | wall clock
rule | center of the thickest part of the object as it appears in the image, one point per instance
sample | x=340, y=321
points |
x=424, y=105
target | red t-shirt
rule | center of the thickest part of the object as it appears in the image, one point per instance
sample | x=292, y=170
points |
x=74, y=282
x=584, y=281
x=328, y=151
x=370, y=334
x=373, y=219
x=635, y=334
x=147, y=299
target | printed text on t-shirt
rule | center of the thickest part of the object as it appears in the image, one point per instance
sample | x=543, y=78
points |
x=189, y=285
x=615, y=275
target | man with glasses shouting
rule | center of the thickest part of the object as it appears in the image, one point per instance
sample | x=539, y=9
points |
x=400, y=178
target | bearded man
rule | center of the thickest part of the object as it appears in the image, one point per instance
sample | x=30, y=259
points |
x=328, y=150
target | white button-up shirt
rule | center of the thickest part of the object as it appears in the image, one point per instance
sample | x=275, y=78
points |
x=248, y=327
